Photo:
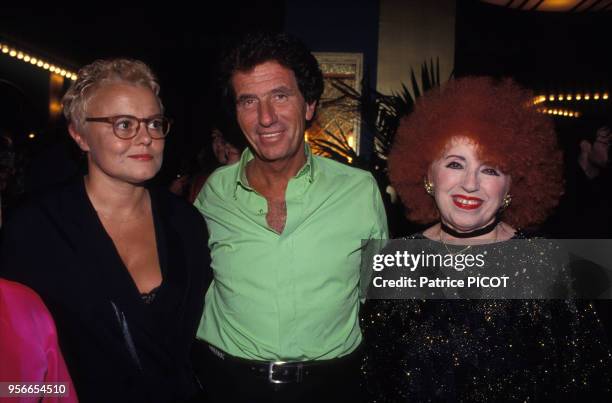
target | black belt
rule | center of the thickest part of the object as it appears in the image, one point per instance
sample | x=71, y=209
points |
x=281, y=372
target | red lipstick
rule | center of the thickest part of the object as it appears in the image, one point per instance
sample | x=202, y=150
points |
x=467, y=202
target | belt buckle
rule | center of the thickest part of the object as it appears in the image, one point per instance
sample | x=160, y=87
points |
x=275, y=367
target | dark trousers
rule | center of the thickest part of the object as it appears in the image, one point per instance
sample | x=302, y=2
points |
x=231, y=381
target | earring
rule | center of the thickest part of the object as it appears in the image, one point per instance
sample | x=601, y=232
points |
x=506, y=201
x=429, y=187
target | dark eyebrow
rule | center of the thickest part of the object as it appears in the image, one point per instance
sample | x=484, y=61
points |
x=455, y=156
x=244, y=97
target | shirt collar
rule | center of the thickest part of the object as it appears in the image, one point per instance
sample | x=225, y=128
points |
x=307, y=170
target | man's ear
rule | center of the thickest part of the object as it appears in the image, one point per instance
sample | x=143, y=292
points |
x=77, y=137
x=310, y=110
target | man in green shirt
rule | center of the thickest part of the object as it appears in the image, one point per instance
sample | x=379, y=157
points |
x=281, y=317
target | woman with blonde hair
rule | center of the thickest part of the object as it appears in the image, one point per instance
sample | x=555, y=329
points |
x=122, y=266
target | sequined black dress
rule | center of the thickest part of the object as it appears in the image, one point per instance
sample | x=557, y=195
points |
x=485, y=351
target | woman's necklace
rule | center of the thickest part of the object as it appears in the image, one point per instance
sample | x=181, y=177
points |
x=489, y=228
x=448, y=250
x=471, y=234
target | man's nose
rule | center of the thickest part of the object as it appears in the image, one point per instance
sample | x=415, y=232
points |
x=267, y=113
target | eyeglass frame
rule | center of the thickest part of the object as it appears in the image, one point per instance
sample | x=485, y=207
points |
x=113, y=119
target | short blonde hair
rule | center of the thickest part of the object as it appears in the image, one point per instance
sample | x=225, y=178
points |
x=102, y=72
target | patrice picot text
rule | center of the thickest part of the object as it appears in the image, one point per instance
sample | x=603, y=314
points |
x=411, y=262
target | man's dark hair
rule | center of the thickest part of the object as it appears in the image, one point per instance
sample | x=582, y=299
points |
x=286, y=50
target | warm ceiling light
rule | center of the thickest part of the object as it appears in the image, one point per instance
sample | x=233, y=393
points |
x=596, y=96
x=568, y=97
x=551, y=97
x=31, y=135
x=578, y=97
x=560, y=97
x=605, y=96
x=587, y=97
x=21, y=55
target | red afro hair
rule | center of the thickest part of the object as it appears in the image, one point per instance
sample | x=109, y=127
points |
x=510, y=133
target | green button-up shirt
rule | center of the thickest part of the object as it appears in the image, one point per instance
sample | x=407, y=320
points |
x=295, y=295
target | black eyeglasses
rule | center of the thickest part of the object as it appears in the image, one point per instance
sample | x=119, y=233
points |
x=126, y=127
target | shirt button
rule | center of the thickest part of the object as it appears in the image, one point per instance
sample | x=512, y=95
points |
x=261, y=211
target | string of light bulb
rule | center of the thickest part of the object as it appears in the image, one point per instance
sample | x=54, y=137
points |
x=27, y=57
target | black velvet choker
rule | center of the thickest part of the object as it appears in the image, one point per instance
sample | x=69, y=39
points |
x=471, y=234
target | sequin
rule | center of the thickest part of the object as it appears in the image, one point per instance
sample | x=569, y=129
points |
x=485, y=351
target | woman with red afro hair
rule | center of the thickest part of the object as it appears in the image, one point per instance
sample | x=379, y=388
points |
x=506, y=132
x=478, y=159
